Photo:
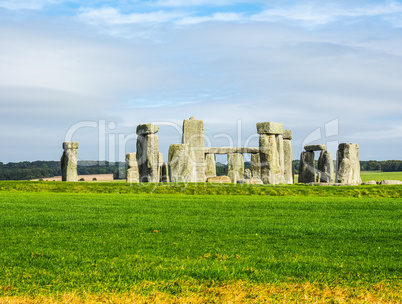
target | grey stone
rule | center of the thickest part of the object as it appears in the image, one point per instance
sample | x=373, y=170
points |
x=269, y=158
x=132, y=171
x=219, y=179
x=247, y=174
x=228, y=150
x=370, y=182
x=326, y=167
x=69, y=162
x=181, y=168
x=145, y=129
x=165, y=173
x=279, y=145
x=391, y=182
x=270, y=128
x=148, y=158
x=288, y=173
x=348, y=165
x=235, y=167
x=251, y=181
x=193, y=136
x=287, y=134
x=315, y=147
x=210, y=165
x=255, y=165
x=306, y=168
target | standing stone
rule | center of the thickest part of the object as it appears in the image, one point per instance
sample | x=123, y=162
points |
x=247, y=174
x=269, y=158
x=255, y=165
x=271, y=152
x=69, y=162
x=193, y=136
x=306, y=169
x=181, y=168
x=148, y=153
x=165, y=173
x=326, y=167
x=288, y=173
x=235, y=167
x=210, y=165
x=348, y=164
x=132, y=171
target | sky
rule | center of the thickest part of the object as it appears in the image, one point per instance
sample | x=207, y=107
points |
x=91, y=71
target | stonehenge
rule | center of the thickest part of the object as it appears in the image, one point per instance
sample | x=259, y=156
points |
x=191, y=161
x=69, y=162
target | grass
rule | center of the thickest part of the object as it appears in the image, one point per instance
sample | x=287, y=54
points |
x=379, y=176
x=376, y=191
x=83, y=247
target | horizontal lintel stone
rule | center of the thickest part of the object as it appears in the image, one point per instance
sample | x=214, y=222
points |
x=145, y=129
x=272, y=128
x=315, y=147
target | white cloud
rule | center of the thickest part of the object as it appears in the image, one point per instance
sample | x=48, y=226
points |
x=112, y=16
x=326, y=13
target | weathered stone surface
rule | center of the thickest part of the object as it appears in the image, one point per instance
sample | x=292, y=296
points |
x=279, y=145
x=193, y=136
x=391, y=182
x=165, y=173
x=326, y=167
x=370, y=182
x=288, y=174
x=148, y=158
x=210, y=165
x=247, y=174
x=219, y=179
x=228, y=150
x=252, y=181
x=235, y=167
x=255, y=165
x=306, y=168
x=181, y=168
x=145, y=129
x=70, y=145
x=132, y=171
x=269, y=158
x=270, y=128
x=69, y=162
x=315, y=147
x=287, y=134
x=348, y=165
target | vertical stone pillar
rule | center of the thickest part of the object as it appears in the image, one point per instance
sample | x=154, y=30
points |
x=235, y=167
x=255, y=165
x=69, y=162
x=181, y=169
x=288, y=173
x=306, y=168
x=271, y=152
x=348, y=164
x=165, y=173
x=210, y=165
x=326, y=167
x=132, y=171
x=193, y=136
x=148, y=153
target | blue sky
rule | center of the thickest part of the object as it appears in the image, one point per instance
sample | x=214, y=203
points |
x=311, y=65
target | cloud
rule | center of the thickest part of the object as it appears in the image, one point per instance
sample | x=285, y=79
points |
x=328, y=13
x=109, y=15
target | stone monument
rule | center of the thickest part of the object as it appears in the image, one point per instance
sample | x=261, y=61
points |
x=69, y=162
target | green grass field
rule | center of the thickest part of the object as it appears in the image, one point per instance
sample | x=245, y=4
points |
x=302, y=245
x=379, y=176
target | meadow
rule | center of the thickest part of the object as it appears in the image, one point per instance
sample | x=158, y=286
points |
x=120, y=243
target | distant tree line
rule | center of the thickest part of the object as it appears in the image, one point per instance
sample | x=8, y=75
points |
x=43, y=169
